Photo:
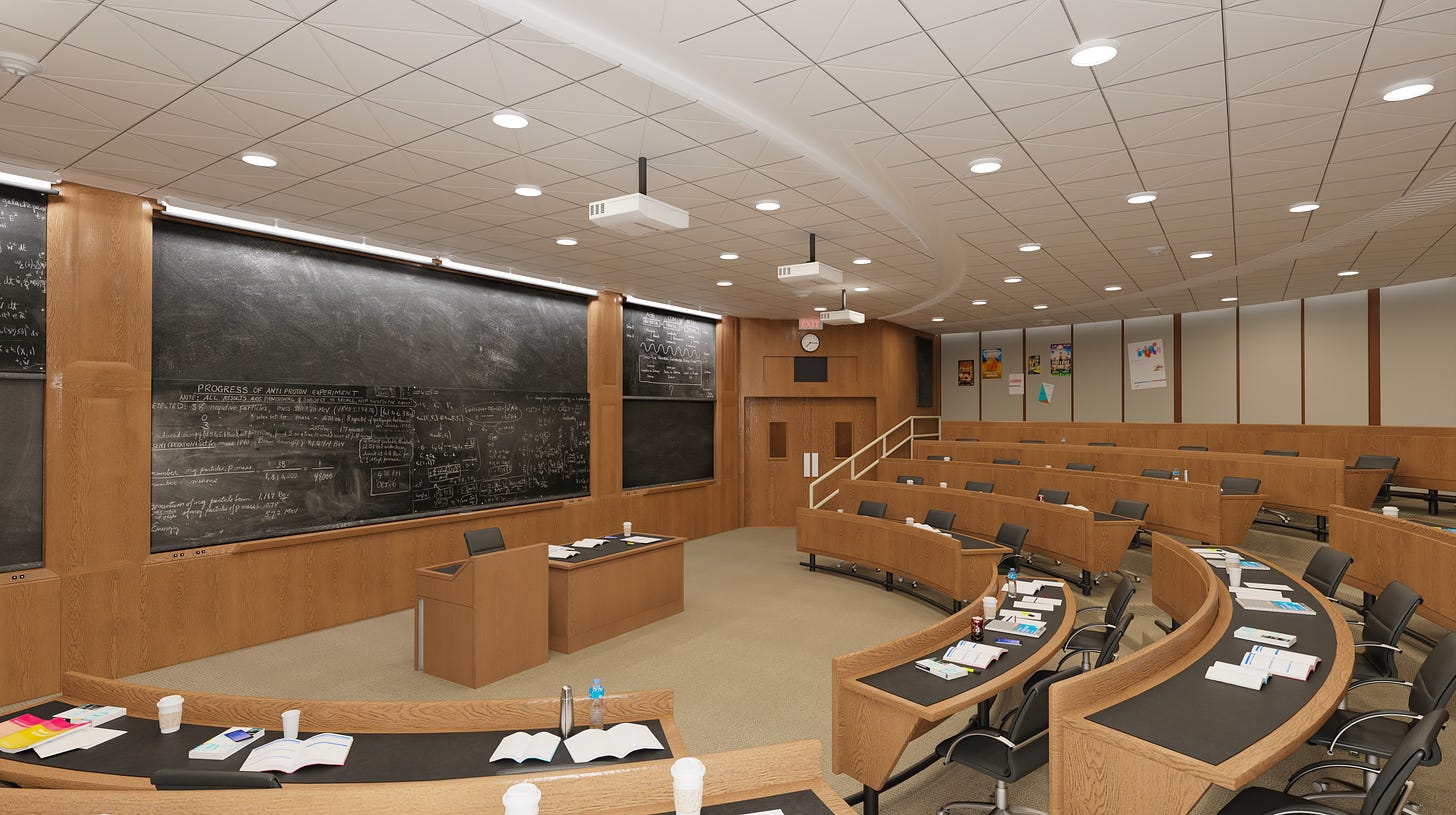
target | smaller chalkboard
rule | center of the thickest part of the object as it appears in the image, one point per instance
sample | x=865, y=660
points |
x=668, y=355
x=666, y=441
x=22, y=280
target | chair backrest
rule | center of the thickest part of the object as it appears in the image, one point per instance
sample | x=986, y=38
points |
x=942, y=519
x=1005, y=461
x=1150, y=473
x=910, y=479
x=178, y=778
x=1192, y=447
x=1053, y=496
x=871, y=509
x=480, y=541
x=1377, y=462
x=1080, y=465
x=980, y=486
x=1110, y=644
x=1326, y=569
x=1294, y=453
x=967, y=439
x=1012, y=536
x=1128, y=508
x=1033, y=717
x=1436, y=680
x=1033, y=441
x=1119, y=601
x=1385, y=622
x=1386, y=794
x=1239, y=485
x=1101, y=444
x=937, y=458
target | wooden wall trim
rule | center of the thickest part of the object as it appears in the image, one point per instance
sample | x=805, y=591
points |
x=1303, y=380
x=1177, y=368
x=1372, y=316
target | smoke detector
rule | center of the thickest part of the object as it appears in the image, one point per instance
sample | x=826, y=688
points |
x=1157, y=250
x=18, y=65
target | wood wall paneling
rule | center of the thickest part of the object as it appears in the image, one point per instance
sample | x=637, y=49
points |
x=30, y=604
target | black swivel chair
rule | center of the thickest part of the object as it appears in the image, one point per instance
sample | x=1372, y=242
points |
x=937, y=458
x=942, y=519
x=1150, y=473
x=1239, y=485
x=480, y=541
x=1092, y=636
x=1005, y=753
x=1290, y=453
x=1379, y=463
x=185, y=779
x=872, y=509
x=1386, y=796
x=1101, y=444
x=980, y=486
x=1192, y=447
x=1106, y=655
x=1053, y=496
x=910, y=479
x=1005, y=461
x=1013, y=537
x=1382, y=625
x=1326, y=569
x=1078, y=465
x=1033, y=441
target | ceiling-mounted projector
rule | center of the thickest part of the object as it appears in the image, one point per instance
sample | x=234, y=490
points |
x=637, y=214
x=812, y=273
x=843, y=316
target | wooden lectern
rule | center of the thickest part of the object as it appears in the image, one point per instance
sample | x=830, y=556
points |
x=486, y=619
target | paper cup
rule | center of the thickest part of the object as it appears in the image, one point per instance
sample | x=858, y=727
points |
x=1391, y=512
x=169, y=713
x=290, y=724
x=943, y=485
x=910, y=520
x=1231, y=565
x=522, y=799
x=687, y=786
x=626, y=527
x=839, y=510
x=988, y=607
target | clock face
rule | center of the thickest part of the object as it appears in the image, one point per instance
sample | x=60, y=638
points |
x=809, y=342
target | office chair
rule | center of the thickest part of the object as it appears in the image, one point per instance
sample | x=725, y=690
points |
x=1106, y=655
x=480, y=541
x=1379, y=463
x=910, y=479
x=1326, y=569
x=1092, y=636
x=1291, y=453
x=184, y=779
x=871, y=509
x=980, y=486
x=1192, y=447
x=1238, y=485
x=1376, y=734
x=1150, y=473
x=1006, y=753
x=1053, y=496
x=1005, y=461
x=1032, y=441
x=1382, y=625
x=937, y=458
x=1077, y=465
x=942, y=519
x=1387, y=796
x=1013, y=537
x=967, y=439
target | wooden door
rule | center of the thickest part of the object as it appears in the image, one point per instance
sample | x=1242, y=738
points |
x=789, y=443
x=840, y=427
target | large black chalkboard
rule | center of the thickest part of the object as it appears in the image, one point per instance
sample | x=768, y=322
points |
x=298, y=389
x=22, y=280
x=665, y=354
x=21, y=402
x=666, y=441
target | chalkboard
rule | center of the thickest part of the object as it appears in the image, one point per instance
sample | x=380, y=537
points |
x=670, y=355
x=21, y=415
x=666, y=441
x=296, y=388
x=22, y=280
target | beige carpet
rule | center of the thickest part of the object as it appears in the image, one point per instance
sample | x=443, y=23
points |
x=748, y=662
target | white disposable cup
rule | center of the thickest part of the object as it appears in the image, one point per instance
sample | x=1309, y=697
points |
x=169, y=713
x=1231, y=564
x=943, y=485
x=687, y=786
x=839, y=510
x=1391, y=512
x=626, y=527
x=522, y=799
x=909, y=520
x=988, y=607
x=290, y=724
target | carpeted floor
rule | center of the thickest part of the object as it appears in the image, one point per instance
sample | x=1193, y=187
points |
x=748, y=662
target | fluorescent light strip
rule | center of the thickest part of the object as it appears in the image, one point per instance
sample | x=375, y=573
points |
x=515, y=278
x=638, y=301
x=37, y=184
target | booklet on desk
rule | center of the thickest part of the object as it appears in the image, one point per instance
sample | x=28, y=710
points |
x=520, y=746
x=92, y=714
x=288, y=755
x=26, y=731
x=1277, y=662
x=616, y=741
x=1280, y=606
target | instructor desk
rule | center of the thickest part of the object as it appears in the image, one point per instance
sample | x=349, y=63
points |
x=613, y=588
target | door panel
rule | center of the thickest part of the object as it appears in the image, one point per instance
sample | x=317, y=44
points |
x=782, y=439
x=840, y=426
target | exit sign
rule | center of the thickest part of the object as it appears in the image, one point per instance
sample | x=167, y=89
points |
x=810, y=324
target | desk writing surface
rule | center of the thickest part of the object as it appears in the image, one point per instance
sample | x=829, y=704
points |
x=1212, y=721
x=614, y=546
x=802, y=802
x=374, y=758
x=909, y=682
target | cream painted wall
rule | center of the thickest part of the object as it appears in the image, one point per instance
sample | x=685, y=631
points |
x=1210, y=366
x=1271, y=377
x=996, y=404
x=1149, y=404
x=1418, y=354
x=1097, y=359
x=958, y=402
x=1038, y=342
x=1336, y=359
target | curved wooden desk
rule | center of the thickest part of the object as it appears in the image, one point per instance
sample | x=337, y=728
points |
x=782, y=776
x=937, y=561
x=1184, y=508
x=1385, y=549
x=1070, y=535
x=873, y=726
x=219, y=711
x=1091, y=773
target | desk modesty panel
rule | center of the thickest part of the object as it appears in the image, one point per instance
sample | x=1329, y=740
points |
x=1385, y=549
x=598, y=595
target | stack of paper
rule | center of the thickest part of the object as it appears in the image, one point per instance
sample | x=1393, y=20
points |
x=1023, y=627
x=1281, y=663
x=973, y=654
x=1033, y=603
x=1237, y=675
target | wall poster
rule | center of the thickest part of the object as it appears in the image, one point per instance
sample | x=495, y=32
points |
x=1033, y=364
x=1145, y=365
x=966, y=373
x=990, y=363
x=1061, y=359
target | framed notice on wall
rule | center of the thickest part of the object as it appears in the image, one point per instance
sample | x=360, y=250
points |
x=1145, y=365
x=1016, y=385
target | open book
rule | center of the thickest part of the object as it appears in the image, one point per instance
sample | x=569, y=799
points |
x=288, y=755
x=616, y=741
x=521, y=746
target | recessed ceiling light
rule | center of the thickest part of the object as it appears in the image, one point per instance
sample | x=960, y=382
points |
x=1347, y=273
x=725, y=283
x=1094, y=52
x=766, y=206
x=1011, y=279
x=1028, y=247
x=1142, y=198
x=978, y=302
x=528, y=190
x=728, y=256
x=510, y=119
x=1112, y=288
x=259, y=159
x=1201, y=255
x=1227, y=299
x=985, y=165
x=566, y=241
x=937, y=319
x=861, y=261
x=1040, y=306
x=1408, y=90
x=820, y=308
x=861, y=288
x=1304, y=206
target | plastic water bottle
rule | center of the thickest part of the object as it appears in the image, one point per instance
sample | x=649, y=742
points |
x=1011, y=583
x=598, y=704
x=1176, y=476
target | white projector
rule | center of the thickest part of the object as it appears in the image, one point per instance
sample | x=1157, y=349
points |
x=811, y=273
x=637, y=215
x=842, y=317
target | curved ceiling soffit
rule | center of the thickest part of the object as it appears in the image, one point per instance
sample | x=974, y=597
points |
x=593, y=27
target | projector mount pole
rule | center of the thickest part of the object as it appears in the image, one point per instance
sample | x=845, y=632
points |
x=811, y=247
x=843, y=301
x=642, y=174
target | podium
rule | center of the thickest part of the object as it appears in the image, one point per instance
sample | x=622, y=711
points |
x=484, y=618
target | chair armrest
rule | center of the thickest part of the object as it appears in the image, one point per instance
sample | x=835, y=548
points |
x=1090, y=608
x=1321, y=766
x=1378, y=645
x=1070, y=654
x=1306, y=809
x=1088, y=627
x=1376, y=681
x=995, y=735
x=1374, y=714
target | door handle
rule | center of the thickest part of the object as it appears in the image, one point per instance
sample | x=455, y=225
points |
x=806, y=465
x=816, y=464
